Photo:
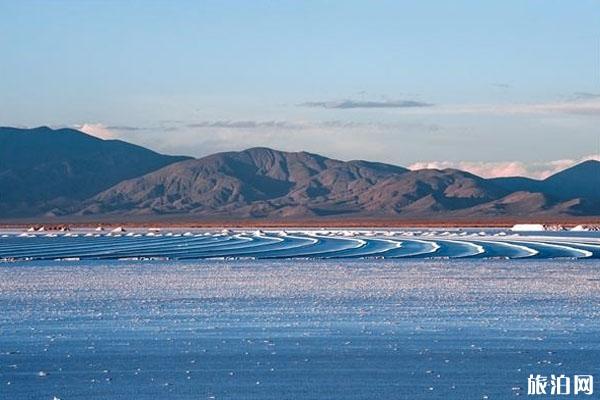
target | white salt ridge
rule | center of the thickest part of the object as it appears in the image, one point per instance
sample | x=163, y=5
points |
x=305, y=244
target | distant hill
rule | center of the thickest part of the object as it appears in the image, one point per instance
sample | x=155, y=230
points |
x=66, y=173
x=578, y=186
x=265, y=183
x=582, y=180
x=258, y=182
x=42, y=169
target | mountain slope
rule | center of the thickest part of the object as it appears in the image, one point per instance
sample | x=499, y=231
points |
x=43, y=168
x=265, y=183
x=262, y=182
x=518, y=184
x=251, y=182
x=579, y=181
x=65, y=173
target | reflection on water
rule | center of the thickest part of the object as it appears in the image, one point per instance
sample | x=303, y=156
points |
x=315, y=244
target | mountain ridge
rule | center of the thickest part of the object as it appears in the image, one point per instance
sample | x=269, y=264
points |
x=44, y=168
x=262, y=183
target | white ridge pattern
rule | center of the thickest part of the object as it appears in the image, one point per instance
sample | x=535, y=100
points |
x=265, y=244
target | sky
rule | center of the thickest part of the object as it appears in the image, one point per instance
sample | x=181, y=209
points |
x=499, y=88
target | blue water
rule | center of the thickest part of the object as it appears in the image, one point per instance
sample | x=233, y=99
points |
x=315, y=244
x=294, y=329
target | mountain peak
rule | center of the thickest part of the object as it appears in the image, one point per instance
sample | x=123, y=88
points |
x=67, y=172
x=587, y=164
x=259, y=150
x=581, y=180
x=588, y=169
x=45, y=134
x=41, y=168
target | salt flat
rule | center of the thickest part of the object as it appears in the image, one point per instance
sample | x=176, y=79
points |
x=297, y=329
x=142, y=244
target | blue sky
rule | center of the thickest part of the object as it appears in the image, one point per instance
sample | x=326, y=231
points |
x=504, y=85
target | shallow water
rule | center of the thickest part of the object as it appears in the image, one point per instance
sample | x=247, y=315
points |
x=269, y=329
x=315, y=244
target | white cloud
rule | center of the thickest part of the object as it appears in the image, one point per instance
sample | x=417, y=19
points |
x=98, y=130
x=349, y=103
x=589, y=106
x=567, y=107
x=332, y=138
x=246, y=124
x=537, y=170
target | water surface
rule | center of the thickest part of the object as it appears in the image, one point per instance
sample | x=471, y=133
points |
x=329, y=329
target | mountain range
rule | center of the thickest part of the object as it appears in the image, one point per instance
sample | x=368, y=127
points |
x=42, y=169
x=67, y=175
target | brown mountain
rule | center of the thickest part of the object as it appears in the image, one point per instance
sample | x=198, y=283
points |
x=579, y=181
x=42, y=169
x=264, y=183
x=251, y=183
x=69, y=174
